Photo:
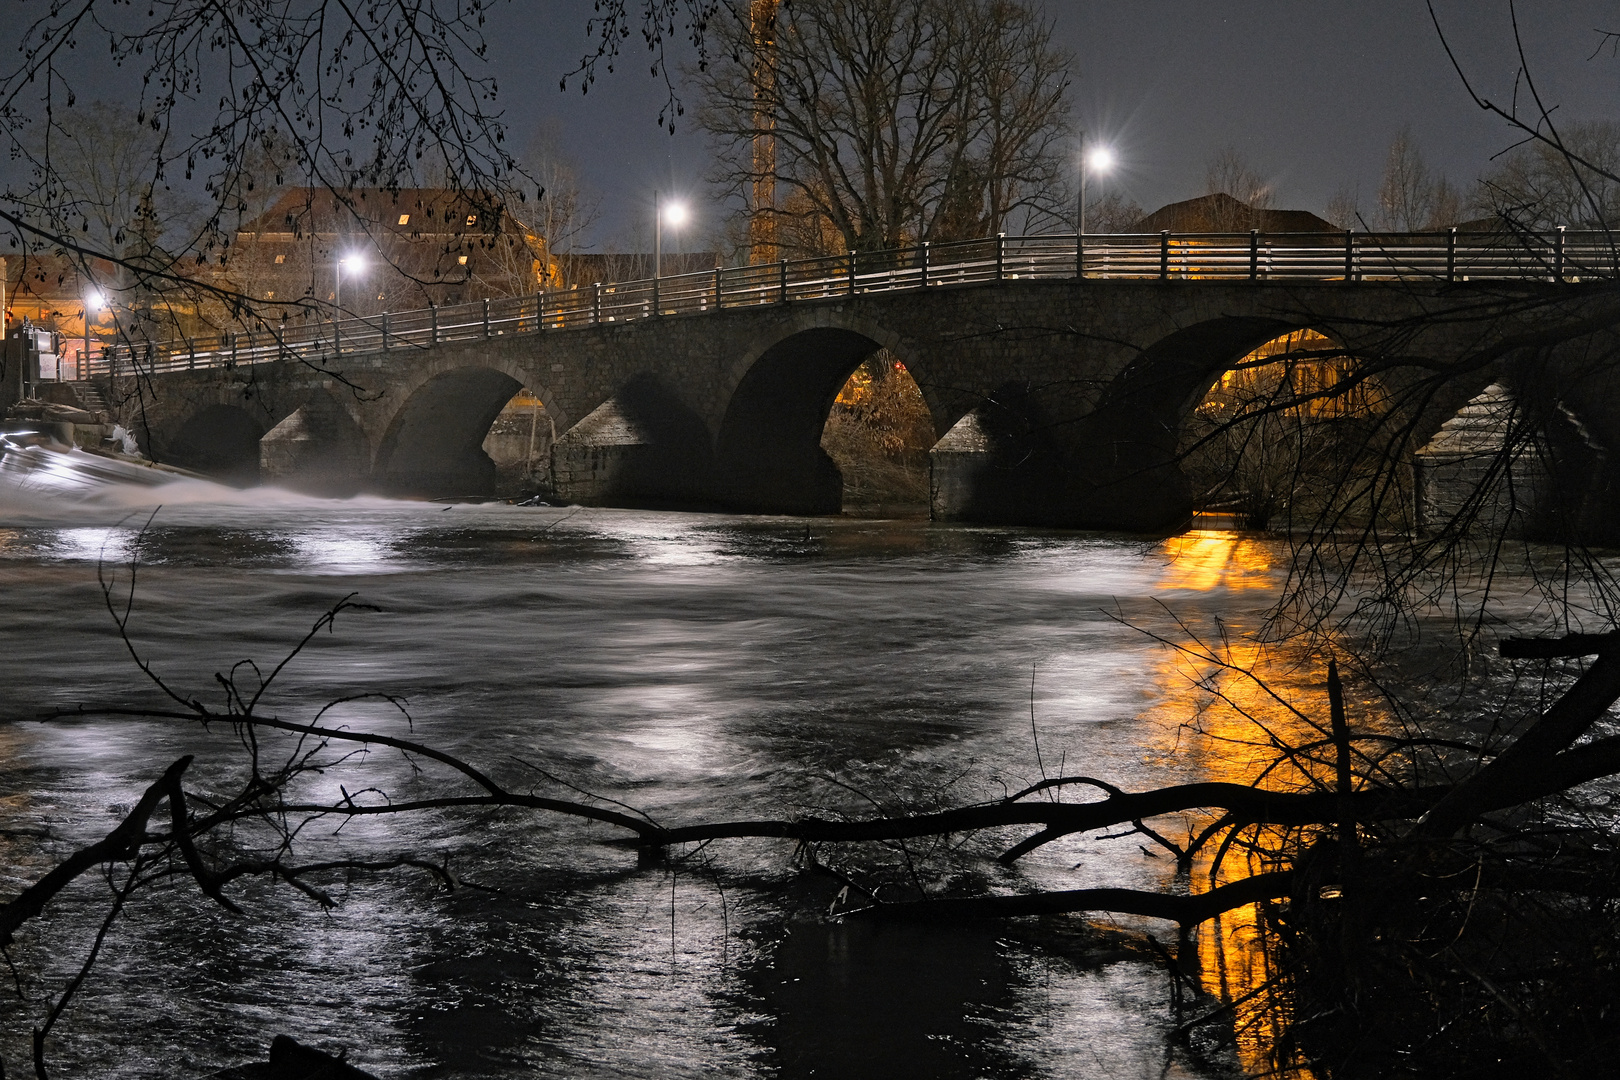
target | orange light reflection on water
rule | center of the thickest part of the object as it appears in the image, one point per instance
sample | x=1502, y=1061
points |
x=1238, y=732
x=1236, y=727
x=1205, y=559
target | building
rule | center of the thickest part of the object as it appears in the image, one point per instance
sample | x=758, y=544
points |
x=369, y=250
x=55, y=292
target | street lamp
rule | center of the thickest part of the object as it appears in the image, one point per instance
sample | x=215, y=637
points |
x=94, y=299
x=1098, y=160
x=675, y=213
x=354, y=264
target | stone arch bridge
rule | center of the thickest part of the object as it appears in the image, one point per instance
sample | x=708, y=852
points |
x=1056, y=399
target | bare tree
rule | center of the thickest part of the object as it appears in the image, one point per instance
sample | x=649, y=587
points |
x=310, y=93
x=1344, y=209
x=892, y=122
x=1228, y=172
x=1411, y=197
x=1539, y=186
x=1113, y=213
x=1405, y=193
x=103, y=164
x=565, y=211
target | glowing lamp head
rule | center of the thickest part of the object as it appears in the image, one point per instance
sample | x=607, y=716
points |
x=353, y=264
x=1100, y=159
x=96, y=300
x=675, y=214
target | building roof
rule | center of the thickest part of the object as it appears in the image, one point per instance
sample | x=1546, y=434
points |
x=1220, y=212
x=405, y=213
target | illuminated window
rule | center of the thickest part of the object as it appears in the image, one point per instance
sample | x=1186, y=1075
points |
x=280, y=259
x=472, y=219
x=271, y=295
x=404, y=219
x=462, y=260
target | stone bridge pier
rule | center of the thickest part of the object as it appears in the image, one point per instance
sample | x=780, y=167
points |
x=1053, y=402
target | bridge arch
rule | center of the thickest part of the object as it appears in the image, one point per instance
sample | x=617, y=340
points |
x=1523, y=458
x=1170, y=377
x=432, y=445
x=768, y=453
x=219, y=440
x=1294, y=427
x=1133, y=450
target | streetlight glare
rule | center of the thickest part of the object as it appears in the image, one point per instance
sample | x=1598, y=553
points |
x=354, y=263
x=96, y=299
x=675, y=214
x=1101, y=159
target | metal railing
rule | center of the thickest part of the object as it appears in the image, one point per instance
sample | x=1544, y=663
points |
x=1252, y=256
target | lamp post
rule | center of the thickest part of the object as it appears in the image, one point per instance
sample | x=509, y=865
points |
x=675, y=214
x=354, y=264
x=1099, y=159
x=96, y=299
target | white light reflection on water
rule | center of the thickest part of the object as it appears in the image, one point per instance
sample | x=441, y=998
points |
x=344, y=553
x=695, y=666
x=114, y=545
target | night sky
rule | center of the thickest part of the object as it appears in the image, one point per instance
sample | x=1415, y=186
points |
x=1311, y=92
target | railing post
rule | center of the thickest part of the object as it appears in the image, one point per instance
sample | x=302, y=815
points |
x=852, y=272
x=385, y=331
x=782, y=278
x=1349, y=254
x=1001, y=254
x=1079, y=254
x=191, y=354
x=596, y=305
x=657, y=310
x=1164, y=255
x=1254, y=254
x=486, y=316
x=235, y=341
x=924, y=261
x=1451, y=254
x=717, y=284
x=1558, y=255
x=433, y=316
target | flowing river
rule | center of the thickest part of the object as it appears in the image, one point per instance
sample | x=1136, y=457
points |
x=692, y=666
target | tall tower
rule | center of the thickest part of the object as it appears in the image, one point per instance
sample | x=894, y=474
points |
x=762, y=244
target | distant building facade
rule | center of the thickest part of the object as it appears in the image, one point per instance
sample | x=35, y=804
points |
x=54, y=292
x=384, y=250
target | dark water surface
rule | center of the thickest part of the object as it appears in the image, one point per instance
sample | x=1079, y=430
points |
x=693, y=666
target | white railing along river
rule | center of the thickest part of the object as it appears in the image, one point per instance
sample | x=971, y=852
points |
x=1254, y=256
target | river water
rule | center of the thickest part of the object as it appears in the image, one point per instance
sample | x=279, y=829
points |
x=693, y=666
